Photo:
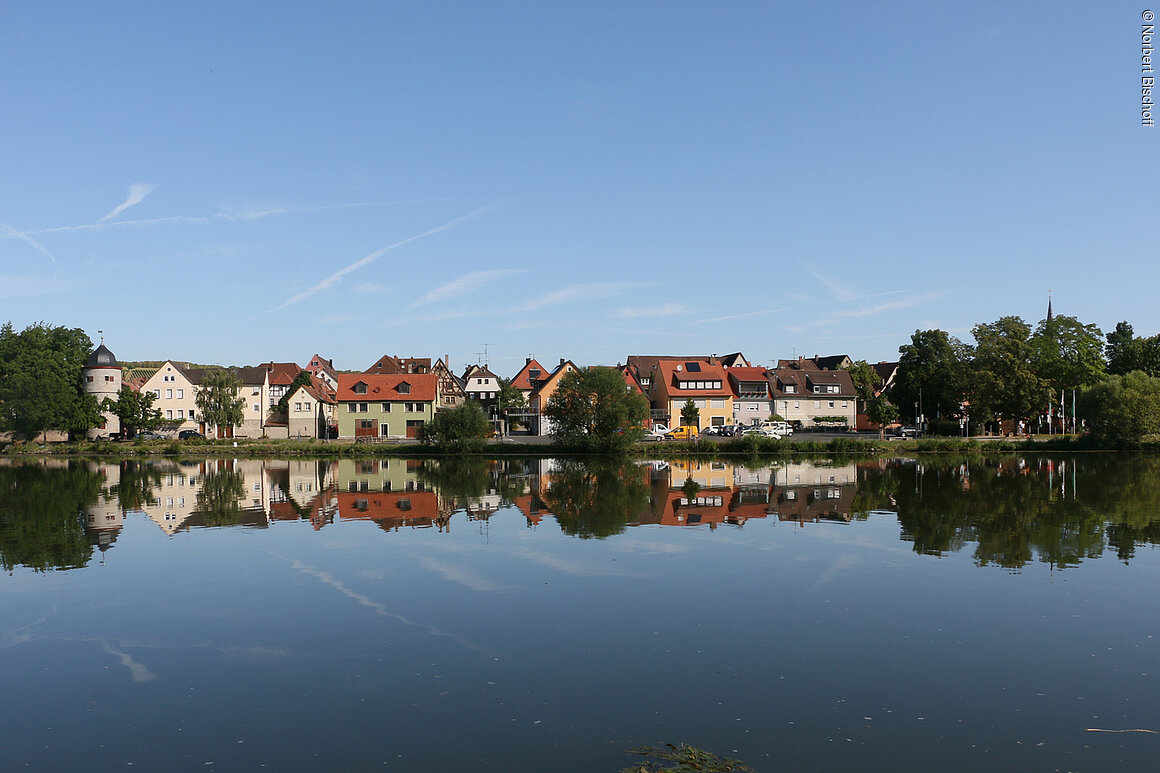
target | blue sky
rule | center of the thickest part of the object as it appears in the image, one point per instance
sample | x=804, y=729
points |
x=240, y=182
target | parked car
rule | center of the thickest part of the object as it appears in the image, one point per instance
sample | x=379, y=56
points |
x=684, y=432
x=190, y=434
x=149, y=436
x=907, y=431
x=115, y=437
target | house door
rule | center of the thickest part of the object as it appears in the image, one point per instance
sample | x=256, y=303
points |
x=413, y=426
x=384, y=430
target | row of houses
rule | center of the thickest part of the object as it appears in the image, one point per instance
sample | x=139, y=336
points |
x=396, y=396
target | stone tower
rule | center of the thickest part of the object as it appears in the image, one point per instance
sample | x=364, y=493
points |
x=101, y=378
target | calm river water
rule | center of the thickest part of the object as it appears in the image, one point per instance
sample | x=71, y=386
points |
x=946, y=614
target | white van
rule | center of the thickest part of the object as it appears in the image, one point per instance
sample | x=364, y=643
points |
x=781, y=428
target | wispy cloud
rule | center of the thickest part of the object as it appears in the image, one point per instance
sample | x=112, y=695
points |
x=369, y=259
x=869, y=311
x=464, y=285
x=668, y=310
x=843, y=293
x=463, y=575
x=580, y=292
x=137, y=194
x=743, y=316
x=24, y=237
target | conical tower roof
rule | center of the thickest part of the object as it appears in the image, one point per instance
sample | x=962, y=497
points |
x=101, y=358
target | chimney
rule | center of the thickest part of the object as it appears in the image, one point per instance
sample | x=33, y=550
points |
x=527, y=360
x=561, y=362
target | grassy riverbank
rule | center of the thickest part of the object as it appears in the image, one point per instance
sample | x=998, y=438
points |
x=858, y=446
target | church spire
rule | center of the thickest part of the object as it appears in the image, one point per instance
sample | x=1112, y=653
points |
x=1049, y=305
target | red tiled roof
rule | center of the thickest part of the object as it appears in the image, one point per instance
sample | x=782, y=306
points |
x=667, y=374
x=282, y=373
x=523, y=381
x=384, y=387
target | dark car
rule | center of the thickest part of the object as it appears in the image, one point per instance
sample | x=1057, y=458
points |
x=190, y=434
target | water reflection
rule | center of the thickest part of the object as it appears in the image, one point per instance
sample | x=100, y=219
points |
x=1007, y=512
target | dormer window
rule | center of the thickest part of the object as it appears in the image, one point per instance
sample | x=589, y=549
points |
x=359, y=389
x=534, y=374
x=403, y=388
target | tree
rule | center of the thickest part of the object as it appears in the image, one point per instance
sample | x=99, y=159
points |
x=1127, y=353
x=931, y=371
x=1067, y=354
x=690, y=413
x=595, y=408
x=866, y=380
x=134, y=409
x=1004, y=383
x=461, y=428
x=1122, y=410
x=218, y=402
x=509, y=399
x=40, y=381
x=881, y=412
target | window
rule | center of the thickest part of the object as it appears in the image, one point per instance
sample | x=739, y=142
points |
x=298, y=407
x=817, y=403
x=359, y=389
x=753, y=406
x=180, y=394
x=89, y=379
x=257, y=407
x=797, y=404
x=789, y=389
x=699, y=403
x=386, y=407
x=363, y=407
x=157, y=393
x=306, y=407
x=351, y=407
x=403, y=388
x=258, y=486
x=180, y=413
x=169, y=414
x=845, y=403
x=108, y=379
x=831, y=403
x=256, y=391
x=191, y=414
x=717, y=402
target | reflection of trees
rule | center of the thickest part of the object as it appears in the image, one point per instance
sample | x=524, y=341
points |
x=458, y=478
x=597, y=498
x=137, y=484
x=1014, y=510
x=42, y=515
x=219, y=502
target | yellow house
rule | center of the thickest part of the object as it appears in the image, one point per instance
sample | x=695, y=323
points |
x=675, y=382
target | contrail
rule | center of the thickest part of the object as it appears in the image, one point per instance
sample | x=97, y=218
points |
x=29, y=241
x=137, y=194
x=369, y=259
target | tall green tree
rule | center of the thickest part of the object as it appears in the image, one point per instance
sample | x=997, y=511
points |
x=1003, y=381
x=40, y=381
x=1126, y=352
x=932, y=371
x=509, y=399
x=882, y=412
x=134, y=410
x=866, y=380
x=690, y=413
x=462, y=428
x=218, y=402
x=1067, y=354
x=595, y=408
x=1122, y=410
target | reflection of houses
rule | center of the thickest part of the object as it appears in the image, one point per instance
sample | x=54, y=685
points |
x=388, y=492
x=173, y=505
x=303, y=490
x=811, y=493
x=712, y=501
x=104, y=518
